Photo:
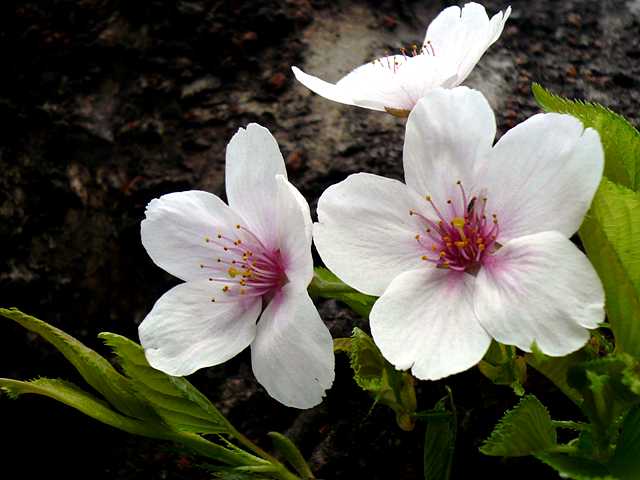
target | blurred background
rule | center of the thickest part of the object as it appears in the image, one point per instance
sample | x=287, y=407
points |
x=107, y=104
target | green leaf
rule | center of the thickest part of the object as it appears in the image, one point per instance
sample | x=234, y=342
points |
x=577, y=468
x=440, y=440
x=95, y=369
x=620, y=140
x=524, y=430
x=603, y=384
x=387, y=385
x=291, y=453
x=178, y=402
x=503, y=367
x=75, y=397
x=610, y=234
x=556, y=368
x=327, y=285
x=625, y=463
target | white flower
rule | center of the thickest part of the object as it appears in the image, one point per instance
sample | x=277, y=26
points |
x=475, y=246
x=454, y=43
x=235, y=259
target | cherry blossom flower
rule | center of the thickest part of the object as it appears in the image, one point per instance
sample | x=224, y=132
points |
x=476, y=244
x=454, y=43
x=234, y=259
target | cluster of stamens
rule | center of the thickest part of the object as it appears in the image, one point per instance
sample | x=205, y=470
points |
x=243, y=265
x=462, y=236
x=391, y=62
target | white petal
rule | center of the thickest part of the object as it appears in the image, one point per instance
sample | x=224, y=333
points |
x=175, y=229
x=328, y=90
x=402, y=84
x=449, y=134
x=294, y=227
x=365, y=234
x=186, y=331
x=425, y=321
x=462, y=36
x=292, y=355
x=542, y=175
x=253, y=161
x=540, y=288
x=372, y=85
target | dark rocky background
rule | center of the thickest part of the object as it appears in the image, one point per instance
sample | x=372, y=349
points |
x=106, y=104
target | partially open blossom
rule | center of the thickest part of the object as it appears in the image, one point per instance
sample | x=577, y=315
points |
x=234, y=260
x=454, y=43
x=476, y=244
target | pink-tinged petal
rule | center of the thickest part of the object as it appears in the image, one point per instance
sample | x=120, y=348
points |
x=449, y=134
x=425, y=321
x=540, y=288
x=292, y=354
x=463, y=35
x=365, y=233
x=542, y=175
x=253, y=161
x=186, y=331
x=176, y=227
x=294, y=230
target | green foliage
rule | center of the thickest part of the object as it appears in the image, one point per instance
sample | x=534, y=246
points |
x=387, y=385
x=146, y=402
x=96, y=370
x=524, y=430
x=440, y=439
x=575, y=467
x=556, y=368
x=326, y=285
x=175, y=400
x=610, y=234
x=291, y=454
x=73, y=396
x=625, y=463
x=606, y=386
x=620, y=140
x=503, y=367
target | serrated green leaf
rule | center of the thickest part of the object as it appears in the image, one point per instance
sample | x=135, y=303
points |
x=610, y=234
x=524, y=430
x=95, y=369
x=291, y=454
x=177, y=402
x=342, y=345
x=386, y=385
x=503, y=367
x=574, y=467
x=556, y=368
x=439, y=440
x=620, y=140
x=327, y=285
x=625, y=463
x=606, y=397
x=73, y=396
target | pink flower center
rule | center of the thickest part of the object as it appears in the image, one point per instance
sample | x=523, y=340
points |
x=244, y=265
x=462, y=237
